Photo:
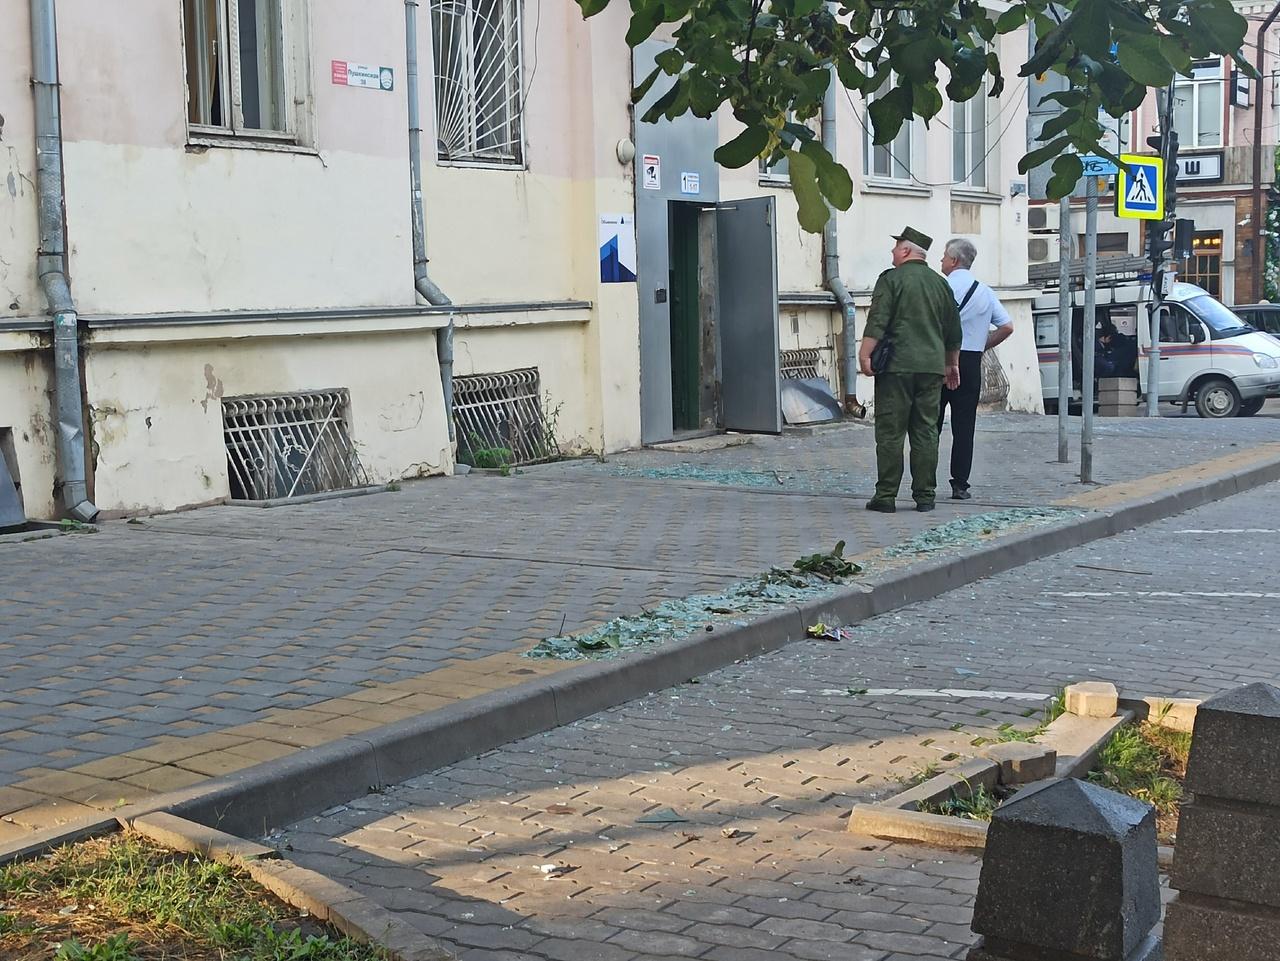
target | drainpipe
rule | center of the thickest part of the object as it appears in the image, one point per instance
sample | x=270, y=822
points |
x=421, y=279
x=848, y=352
x=51, y=262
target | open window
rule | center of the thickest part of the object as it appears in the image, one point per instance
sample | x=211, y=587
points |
x=246, y=65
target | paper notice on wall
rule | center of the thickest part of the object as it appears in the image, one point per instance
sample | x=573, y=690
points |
x=347, y=74
x=617, y=249
x=651, y=171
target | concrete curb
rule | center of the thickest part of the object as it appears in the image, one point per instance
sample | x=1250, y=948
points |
x=269, y=795
x=345, y=909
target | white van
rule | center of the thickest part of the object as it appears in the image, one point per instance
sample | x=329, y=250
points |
x=1208, y=356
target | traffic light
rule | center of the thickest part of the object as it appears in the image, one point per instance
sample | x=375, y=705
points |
x=1183, y=233
x=1158, y=241
x=1171, y=173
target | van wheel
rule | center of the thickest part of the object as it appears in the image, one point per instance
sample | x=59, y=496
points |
x=1250, y=407
x=1217, y=397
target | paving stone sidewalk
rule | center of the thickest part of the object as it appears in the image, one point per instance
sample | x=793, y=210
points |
x=541, y=851
x=159, y=653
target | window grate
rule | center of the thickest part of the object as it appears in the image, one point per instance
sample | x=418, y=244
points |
x=479, y=98
x=287, y=445
x=799, y=364
x=499, y=421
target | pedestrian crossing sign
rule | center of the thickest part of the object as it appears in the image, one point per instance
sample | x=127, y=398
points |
x=1140, y=187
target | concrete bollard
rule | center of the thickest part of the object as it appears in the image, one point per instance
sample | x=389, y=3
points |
x=1069, y=874
x=1225, y=860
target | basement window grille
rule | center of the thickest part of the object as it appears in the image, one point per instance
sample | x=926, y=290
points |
x=800, y=364
x=499, y=421
x=288, y=445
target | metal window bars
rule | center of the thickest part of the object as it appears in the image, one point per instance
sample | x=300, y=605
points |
x=479, y=91
x=287, y=445
x=801, y=363
x=499, y=421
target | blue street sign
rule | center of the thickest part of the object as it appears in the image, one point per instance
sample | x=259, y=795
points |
x=1097, y=166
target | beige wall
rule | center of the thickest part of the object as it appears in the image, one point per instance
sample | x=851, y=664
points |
x=155, y=405
x=26, y=407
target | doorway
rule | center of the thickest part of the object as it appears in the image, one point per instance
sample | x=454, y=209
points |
x=686, y=318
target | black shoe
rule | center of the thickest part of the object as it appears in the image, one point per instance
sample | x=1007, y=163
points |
x=960, y=493
x=924, y=506
x=884, y=507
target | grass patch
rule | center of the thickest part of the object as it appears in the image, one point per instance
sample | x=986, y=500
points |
x=124, y=899
x=1149, y=763
x=979, y=805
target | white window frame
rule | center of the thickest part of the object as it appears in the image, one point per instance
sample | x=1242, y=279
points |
x=899, y=172
x=295, y=82
x=1192, y=89
x=962, y=131
x=472, y=155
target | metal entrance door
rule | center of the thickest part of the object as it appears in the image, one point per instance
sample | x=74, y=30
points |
x=747, y=264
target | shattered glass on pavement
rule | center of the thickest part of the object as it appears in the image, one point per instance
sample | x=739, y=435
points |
x=966, y=531
x=671, y=620
x=753, y=598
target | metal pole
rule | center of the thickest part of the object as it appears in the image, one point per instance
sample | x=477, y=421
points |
x=1157, y=294
x=1087, y=328
x=1064, y=326
x=848, y=352
x=1259, y=216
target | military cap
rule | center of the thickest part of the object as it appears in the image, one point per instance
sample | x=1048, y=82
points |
x=924, y=241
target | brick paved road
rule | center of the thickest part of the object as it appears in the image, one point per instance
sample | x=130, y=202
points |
x=775, y=750
x=154, y=655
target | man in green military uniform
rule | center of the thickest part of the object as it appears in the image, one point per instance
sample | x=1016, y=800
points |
x=915, y=309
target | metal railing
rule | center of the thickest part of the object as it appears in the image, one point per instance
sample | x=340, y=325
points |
x=499, y=420
x=287, y=445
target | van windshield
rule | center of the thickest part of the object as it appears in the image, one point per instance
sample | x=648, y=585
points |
x=1219, y=319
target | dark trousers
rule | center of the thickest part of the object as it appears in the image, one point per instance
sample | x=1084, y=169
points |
x=964, y=415
x=904, y=410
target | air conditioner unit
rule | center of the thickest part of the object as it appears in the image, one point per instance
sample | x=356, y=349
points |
x=1043, y=218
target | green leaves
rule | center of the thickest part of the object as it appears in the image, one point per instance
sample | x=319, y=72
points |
x=1141, y=58
x=1067, y=171
x=776, y=59
x=744, y=148
x=813, y=210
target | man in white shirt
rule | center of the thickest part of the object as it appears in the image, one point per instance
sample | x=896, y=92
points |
x=985, y=323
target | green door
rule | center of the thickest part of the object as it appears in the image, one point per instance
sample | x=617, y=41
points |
x=685, y=318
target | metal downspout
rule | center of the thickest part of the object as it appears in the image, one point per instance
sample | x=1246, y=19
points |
x=421, y=278
x=848, y=352
x=51, y=262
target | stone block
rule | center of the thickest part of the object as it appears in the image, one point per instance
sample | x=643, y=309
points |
x=1093, y=699
x=1228, y=852
x=1200, y=929
x=990, y=949
x=1071, y=868
x=1118, y=383
x=1174, y=713
x=1235, y=752
x=1022, y=763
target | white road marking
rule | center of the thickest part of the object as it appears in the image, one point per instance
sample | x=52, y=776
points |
x=1229, y=530
x=1266, y=595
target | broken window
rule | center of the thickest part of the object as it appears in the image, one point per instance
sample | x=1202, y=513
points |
x=239, y=66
